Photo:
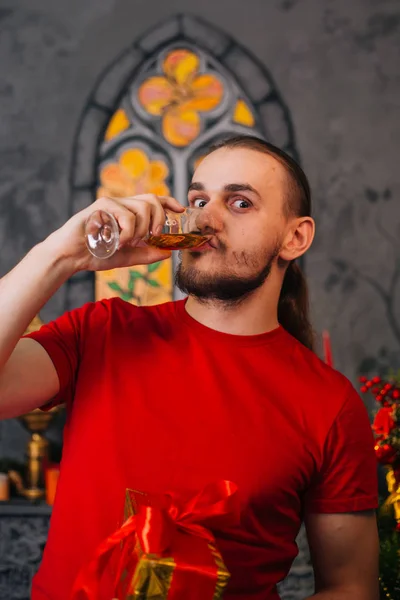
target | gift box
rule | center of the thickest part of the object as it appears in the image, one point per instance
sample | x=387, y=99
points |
x=165, y=550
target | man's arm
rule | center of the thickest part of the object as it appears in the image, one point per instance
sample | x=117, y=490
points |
x=345, y=554
x=28, y=378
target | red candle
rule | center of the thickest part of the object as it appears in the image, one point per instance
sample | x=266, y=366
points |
x=51, y=478
x=327, y=348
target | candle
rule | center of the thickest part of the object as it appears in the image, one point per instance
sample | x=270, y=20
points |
x=327, y=348
x=4, y=487
x=51, y=477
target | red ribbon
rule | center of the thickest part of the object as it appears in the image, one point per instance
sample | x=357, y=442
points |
x=167, y=526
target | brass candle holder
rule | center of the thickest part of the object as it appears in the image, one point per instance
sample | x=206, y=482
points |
x=36, y=422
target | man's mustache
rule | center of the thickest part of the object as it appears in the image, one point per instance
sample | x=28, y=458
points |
x=220, y=245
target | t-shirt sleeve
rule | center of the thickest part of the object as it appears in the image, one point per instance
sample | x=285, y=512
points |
x=62, y=340
x=347, y=478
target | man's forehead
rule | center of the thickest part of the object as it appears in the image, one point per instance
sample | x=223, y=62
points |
x=229, y=166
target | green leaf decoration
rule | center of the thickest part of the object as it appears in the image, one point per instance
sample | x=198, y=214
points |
x=153, y=283
x=154, y=267
x=126, y=296
x=115, y=286
x=133, y=277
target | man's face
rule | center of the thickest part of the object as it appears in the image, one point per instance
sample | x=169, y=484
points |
x=243, y=193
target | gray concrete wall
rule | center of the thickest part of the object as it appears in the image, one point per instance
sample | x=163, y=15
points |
x=336, y=66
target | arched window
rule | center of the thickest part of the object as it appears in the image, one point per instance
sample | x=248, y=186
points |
x=148, y=122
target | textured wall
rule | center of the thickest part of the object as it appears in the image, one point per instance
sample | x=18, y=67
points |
x=336, y=66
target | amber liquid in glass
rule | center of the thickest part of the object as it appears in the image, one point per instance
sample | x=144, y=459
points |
x=177, y=241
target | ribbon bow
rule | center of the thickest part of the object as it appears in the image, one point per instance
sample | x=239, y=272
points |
x=157, y=527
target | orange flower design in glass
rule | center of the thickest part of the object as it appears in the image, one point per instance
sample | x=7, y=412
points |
x=133, y=174
x=180, y=95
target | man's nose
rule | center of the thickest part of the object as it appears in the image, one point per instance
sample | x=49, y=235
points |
x=210, y=219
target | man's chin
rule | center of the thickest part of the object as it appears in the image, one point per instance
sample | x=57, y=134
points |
x=209, y=275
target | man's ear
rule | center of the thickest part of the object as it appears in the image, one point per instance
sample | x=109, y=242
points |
x=298, y=239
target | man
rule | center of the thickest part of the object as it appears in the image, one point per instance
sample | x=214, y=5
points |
x=176, y=396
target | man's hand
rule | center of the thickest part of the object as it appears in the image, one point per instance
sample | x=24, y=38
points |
x=136, y=217
x=28, y=378
x=345, y=555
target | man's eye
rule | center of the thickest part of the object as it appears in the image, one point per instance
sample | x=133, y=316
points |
x=242, y=204
x=199, y=203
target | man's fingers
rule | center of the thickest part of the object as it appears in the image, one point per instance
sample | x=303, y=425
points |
x=127, y=226
x=137, y=217
x=143, y=216
x=165, y=201
x=171, y=203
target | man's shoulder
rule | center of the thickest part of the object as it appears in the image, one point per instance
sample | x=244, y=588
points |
x=323, y=383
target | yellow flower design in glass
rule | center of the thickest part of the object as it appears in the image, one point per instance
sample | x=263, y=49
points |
x=180, y=95
x=119, y=122
x=243, y=115
x=133, y=174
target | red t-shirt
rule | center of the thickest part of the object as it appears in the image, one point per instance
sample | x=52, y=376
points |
x=158, y=402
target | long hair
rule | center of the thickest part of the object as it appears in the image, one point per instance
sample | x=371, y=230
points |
x=293, y=305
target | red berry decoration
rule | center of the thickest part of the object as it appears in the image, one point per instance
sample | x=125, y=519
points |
x=362, y=379
x=385, y=453
x=386, y=425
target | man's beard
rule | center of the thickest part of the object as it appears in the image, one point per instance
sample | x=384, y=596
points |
x=227, y=288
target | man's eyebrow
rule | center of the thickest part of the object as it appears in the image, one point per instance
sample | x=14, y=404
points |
x=240, y=187
x=198, y=187
x=229, y=187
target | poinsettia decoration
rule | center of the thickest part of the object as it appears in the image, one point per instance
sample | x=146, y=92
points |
x=386, y=425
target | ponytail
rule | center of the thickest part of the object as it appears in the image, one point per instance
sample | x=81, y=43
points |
x=293, y=306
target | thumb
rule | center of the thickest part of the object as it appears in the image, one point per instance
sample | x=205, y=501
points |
x=145, y=255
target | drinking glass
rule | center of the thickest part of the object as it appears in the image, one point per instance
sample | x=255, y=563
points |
x=188, y=230
x=102, y=234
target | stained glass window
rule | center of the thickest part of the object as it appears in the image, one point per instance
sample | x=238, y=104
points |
x=176, y=106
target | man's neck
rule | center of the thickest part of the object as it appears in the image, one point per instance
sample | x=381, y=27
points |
x=258, y=313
